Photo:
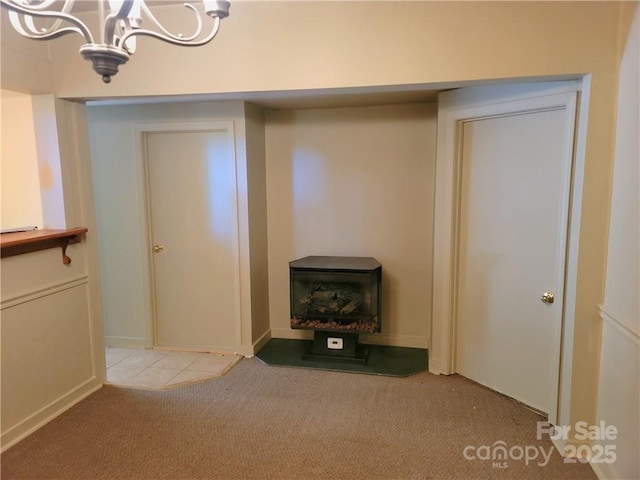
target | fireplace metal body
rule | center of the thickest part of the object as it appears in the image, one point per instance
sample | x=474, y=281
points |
x=338, y=298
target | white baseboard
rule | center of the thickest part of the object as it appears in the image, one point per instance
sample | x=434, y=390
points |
x=605, y=471
x=43, y=416
x=435, y=366
x=261, y=342
x=125, y=342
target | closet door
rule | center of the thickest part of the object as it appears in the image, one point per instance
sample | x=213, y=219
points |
x=192, y=201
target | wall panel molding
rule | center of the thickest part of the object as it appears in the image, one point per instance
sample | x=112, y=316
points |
x=50, y=289
x=625, y=327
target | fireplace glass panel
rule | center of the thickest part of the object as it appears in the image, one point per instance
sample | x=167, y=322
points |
x=336, y=294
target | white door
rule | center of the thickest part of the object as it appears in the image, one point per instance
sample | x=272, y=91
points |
x=514, y=170
x=193, y=229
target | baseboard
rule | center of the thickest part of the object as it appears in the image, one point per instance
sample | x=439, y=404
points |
x=605, y=471
x=125, y=342
x=559, y=443
x=261, y=342
x=48, y=413
x=602, y=470
x=435, y=366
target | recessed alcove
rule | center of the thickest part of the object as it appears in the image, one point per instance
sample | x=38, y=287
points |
x=352, y=180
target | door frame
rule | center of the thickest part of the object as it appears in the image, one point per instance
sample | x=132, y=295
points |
x=141, y=130
x=470, y=103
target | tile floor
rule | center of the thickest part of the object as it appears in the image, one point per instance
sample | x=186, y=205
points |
x=161, y=369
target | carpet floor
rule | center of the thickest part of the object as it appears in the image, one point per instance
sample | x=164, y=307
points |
x=261, y=422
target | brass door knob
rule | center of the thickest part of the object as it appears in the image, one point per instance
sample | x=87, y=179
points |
x=547, y=297
x=158, y=248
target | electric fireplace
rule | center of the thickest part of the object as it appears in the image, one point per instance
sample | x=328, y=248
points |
x=338, y=298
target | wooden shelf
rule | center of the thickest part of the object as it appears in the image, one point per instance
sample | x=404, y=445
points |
x=19, y=243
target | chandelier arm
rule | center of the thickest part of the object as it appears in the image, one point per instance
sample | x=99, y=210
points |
x=32, y=32
x=45, y=34
x=28, y=19
x=112, y=20
x=172, y=39
x=179, y=37
x=119, y=28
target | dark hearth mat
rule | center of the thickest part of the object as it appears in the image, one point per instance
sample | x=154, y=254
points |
x=382, y=360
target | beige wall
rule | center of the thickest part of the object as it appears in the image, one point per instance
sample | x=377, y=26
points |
x=283, y=45
x=355, y=182
x=25, y=64
x=278, y=46
x=19, y=163
x=619, y=386
x=275, y=46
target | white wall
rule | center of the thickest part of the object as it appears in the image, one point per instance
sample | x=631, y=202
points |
x=355, y=182
x=32, y=184
x=19, y=163
x=619, y=386
x=257, y=208
x=51, y=330
x=120, y=198
x=50, y=162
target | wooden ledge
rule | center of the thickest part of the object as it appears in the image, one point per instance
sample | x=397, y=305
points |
x=18, y=243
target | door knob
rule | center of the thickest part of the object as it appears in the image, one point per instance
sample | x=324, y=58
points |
x=547, y=297
x=158, y=248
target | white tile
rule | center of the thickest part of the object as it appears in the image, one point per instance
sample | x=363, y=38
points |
x=143, y=358
x=178, y=360
x=122, y=373
x=115, y=354
x=145, y=368
x=154, y=377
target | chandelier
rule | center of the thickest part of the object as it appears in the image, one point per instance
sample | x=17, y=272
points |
x=121, y=22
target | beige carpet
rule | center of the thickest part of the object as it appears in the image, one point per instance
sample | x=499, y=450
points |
x=261, y=422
